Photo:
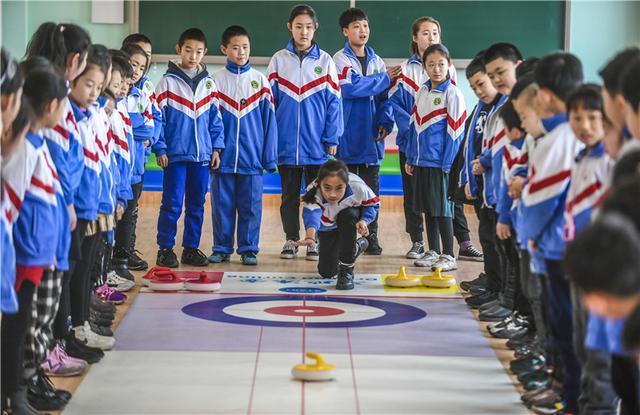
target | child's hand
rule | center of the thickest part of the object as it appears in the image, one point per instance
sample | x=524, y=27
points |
x=362, y=228
x=394, y=72
x=308, y=241
x=503, y=231
x=382, y=134
x=146, y=143
x=163, y=161
x=119, y=211
x=515, y=188
x=476, y=167
x=532, y=245
x=467, y=192
x=408, y=168
x=73, y=219
x=331, y=150
x=215, y=160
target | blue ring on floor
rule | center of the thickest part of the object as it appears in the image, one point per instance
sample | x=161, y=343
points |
x=395, y=313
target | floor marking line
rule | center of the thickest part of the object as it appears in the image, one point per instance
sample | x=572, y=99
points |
x=453, y=297
x=255, y=371
x=304, y=352
x=353, y=373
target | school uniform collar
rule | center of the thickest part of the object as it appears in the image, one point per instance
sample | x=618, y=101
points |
x=595, y=151
x=313, y=52
x=348, y=192
x=441, y=88
x=174, y=70
x=101, y=102
x=34, y=138
x=414, y=59
x=517, y=143
x=141, y=81
x=626, y=134
x=235, y=69
x=135, y=91
x=548, y=124
x=79, y=113
x=369, y=50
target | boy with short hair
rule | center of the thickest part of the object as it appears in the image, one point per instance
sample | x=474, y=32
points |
x=631, y=93
x=368, y=116
x=473, y=184
x=544, y=199
x=251, y=135
x=190, y=143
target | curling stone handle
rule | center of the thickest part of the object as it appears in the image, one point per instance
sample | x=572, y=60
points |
x=437, y=273
x=315, y=356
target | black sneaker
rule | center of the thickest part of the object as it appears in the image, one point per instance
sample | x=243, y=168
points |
x=477, y=300
x=16, y=403
x=75, y=348
x=135, y=262
x=513, y=329
x=495, y=313
x=345, y=277
x=43, y=396
x=361, y=246
x=519, y=340
x=101, y=306
x=479, y=282
x=167, y=258
x=521, y=365
x=417, y=251
x=99, y=321
x=470, y=254
x=374, y=247
x=289, y=250
x=101, y=330
x=121, y=267
x=195, y=257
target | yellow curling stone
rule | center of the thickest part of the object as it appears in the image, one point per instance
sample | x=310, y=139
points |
x=402, y=280
x=320, y=371
x=437, y=280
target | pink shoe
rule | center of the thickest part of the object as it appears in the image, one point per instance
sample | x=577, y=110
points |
x=58, y=363
x=109, y=294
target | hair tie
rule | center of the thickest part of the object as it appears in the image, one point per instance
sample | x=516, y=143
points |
x=62, y=28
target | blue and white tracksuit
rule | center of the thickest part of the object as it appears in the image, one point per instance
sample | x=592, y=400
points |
x=506, y=207
x=308, y=105
x=122, y=146
x=437, y=126
x=145, y=85
x=192, y=131
x=322, y=214
x=251, y=134
x=139, y=108
x=89, y=191
x=493, y=142
x=41, y=231
x=8, y=299
x=402, y=95
x=366, y=108
x=109, y=174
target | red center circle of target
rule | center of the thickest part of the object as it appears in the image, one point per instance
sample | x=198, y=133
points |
x=304, y=311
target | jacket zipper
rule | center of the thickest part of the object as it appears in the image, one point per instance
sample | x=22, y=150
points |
x=235, y=168
x=298, y=130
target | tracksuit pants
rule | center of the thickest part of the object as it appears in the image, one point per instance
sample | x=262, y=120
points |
x=338, y=244
x=291, y=181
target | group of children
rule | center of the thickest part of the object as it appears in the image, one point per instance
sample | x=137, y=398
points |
x=537, y=156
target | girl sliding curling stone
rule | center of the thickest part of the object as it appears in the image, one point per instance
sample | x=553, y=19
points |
x=338, y=206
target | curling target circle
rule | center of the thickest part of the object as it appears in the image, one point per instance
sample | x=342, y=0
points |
x=296, y=311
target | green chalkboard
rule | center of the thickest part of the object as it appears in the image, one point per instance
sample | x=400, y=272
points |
x=537, y=27
x=266, y=21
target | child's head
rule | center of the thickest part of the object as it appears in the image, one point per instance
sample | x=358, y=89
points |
x=512, y=123
x=611, y=76
x=479, y=80
x=500, y=62
x=121, y=71
x=527, y=67
x=141, y=40
x=332, y=181
x=524, y=96
x=14, y=133
x=10, y=88
x=355, y=26
x=557, y=74
x=236, y=44
x=66, y=45
x=603, y=261
x=46, y=91
x=586, y=114
x=425, y=32
x=90, y=84
x=137, y=59
x=436, y=61
x=192, y=46
x=302, y=24
x=631, y=93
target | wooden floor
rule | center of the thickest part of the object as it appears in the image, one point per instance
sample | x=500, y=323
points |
x=392, y=236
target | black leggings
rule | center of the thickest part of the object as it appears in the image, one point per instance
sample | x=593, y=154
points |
x=291, y=180
x=440, y=228
x=81, y=281
x=13, y=332
x=125, y=234
x=338, y=244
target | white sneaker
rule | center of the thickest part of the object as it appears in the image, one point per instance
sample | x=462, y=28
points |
x=417, y=251
x=445, y=263
x=89, y=338
x=119, y=283
x=427, y=260
x=289, y=250
x=312, y=253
